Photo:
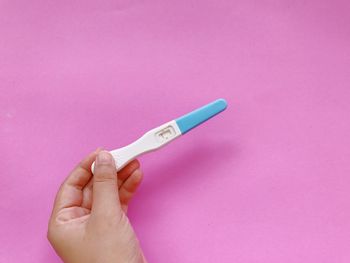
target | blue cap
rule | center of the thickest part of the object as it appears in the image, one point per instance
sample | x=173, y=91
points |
x=198, y=116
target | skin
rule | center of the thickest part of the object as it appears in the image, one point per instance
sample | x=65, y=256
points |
x=88, y=222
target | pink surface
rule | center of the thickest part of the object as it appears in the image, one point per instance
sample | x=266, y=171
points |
x=268, y=180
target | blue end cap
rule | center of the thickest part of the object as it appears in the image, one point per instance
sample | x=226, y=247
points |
x=198, y=116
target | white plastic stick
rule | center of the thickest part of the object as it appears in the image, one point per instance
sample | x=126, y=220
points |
x=162, y=135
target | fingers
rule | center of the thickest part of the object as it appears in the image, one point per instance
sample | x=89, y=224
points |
x=81, y=174
x=87, y=195
x=124, y=173
x=129, y=187
x=70, y=193
x=105, y=199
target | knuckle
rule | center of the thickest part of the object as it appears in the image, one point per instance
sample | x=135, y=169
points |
x=51, y=236
x=105, y=173
x=102, y=177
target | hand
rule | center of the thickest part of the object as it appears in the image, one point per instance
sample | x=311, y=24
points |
x=88, y=222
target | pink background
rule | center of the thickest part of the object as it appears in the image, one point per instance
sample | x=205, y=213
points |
x=268, y=180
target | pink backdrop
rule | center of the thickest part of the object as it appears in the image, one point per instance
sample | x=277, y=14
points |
x=268, y=180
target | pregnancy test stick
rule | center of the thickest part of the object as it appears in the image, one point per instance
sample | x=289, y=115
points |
x=162, y=135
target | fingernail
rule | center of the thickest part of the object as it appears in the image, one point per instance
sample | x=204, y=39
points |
x=98, y=149
x=104, y=157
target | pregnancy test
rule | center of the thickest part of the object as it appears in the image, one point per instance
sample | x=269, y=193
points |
x=162, y=135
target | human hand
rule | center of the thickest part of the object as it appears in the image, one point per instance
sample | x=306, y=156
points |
x=88, y=222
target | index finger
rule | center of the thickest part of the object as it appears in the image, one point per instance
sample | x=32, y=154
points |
x=71, y=191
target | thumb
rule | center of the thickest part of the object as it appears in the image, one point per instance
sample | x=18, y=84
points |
x=105, y=198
